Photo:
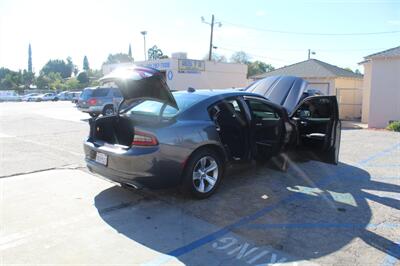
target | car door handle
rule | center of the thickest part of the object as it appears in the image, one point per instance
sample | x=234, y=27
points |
x=304, y=123
x=258, y=124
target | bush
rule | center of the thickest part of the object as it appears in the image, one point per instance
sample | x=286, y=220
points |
x=394, y=126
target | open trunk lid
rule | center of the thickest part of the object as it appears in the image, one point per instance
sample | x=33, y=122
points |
x=286, y=91
x=141, y=83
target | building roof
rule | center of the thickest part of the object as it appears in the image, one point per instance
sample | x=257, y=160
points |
x=392, y=52
x=311, y=68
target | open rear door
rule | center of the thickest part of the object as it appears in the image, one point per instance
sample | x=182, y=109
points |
x=318, y=128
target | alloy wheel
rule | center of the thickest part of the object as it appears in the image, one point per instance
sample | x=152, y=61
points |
x=205, y=174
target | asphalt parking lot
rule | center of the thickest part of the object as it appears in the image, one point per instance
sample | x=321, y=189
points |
x=53, y=211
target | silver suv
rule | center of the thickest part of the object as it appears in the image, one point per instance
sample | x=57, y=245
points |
x=99, y=100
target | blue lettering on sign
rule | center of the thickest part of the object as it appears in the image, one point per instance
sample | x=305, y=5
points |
x=170, y=75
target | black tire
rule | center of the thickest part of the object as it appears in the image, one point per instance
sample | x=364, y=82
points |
x=108, y=110
x=55, y=99
x=188, y=183
x=93, y=114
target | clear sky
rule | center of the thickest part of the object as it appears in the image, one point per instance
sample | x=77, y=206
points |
x=60, y=28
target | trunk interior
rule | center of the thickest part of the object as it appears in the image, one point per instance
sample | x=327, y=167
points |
x=113, y=130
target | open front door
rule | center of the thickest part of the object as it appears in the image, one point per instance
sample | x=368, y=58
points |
x=267, y=124
x=318, y=128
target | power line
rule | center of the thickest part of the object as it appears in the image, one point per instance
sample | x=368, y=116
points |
x=312, y=33
x=304, y=49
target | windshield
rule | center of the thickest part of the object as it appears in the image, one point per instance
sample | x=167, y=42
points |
x=156, y=108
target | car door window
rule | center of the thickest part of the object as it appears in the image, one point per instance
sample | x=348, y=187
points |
x=315, y=108
x=262, y=111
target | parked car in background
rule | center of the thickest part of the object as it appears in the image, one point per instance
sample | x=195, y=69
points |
x=99, y=100
x=9, y=96
x=75, y=96
x=51, y=96
x=29, y=97
x=64, y=96
x=188, y=138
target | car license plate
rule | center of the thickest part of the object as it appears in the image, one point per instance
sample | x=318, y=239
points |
x=101, y=158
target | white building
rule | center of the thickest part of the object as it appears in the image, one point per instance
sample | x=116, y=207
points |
x=381, y=99
x=330, y=80
x=182, y=73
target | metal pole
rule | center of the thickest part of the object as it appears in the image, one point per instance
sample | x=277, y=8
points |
x=211, y=38
x=309, y=54
x=144, y=41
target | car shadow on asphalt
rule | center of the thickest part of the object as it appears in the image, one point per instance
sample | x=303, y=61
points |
x=309, y=211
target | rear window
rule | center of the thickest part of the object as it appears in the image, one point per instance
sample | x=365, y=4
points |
x=156, y=108
x=86, y=93
x=100, y=92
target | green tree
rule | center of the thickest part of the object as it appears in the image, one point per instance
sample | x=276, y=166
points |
x=76, y=71
x=155, y=53
x=95, y=74
x=27, y=78
x=29, y=59
x=216, y=57
x=72, y=84
x=85, y=63
x=8, y=83
x=240, y=57
x=258, y=67
x=83, y=78
x=42, y=82
x=118, y=58
x=58, y=66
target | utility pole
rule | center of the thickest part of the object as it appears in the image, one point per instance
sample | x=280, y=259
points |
x=144, y=44
x=29, y=59
x=211, y=38
x=310, y=53
x=212, y=33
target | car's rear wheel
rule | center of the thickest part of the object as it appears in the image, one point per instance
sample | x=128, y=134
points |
x=203, y=173
x=108, y=110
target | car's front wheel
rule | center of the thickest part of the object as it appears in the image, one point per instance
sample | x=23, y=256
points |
x=203, y=173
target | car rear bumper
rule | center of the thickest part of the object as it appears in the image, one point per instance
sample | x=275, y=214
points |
x=139, y=166
x=91, y=109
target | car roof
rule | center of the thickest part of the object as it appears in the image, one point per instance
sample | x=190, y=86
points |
x=218, y=93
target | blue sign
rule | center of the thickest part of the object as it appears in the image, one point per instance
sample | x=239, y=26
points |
x=170, y=75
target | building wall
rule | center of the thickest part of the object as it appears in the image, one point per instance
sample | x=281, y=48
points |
x=349, y=92
x=366, y=91
x=385, y=92
x=215, y=75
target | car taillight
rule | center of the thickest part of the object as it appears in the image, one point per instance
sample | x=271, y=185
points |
x=92, y=101
x=144, y=139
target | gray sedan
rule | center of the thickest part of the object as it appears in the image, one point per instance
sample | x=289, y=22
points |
x=187, y=138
